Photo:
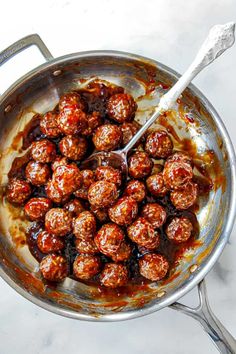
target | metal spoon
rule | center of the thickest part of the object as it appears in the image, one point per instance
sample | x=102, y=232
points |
x=220, y=38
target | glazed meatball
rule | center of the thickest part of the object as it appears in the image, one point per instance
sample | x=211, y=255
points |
x=54, y=267
x=88, y=179
x=18, y=191
x=86, y=266
x=58, y=222
x=128, y=131
x=107, y=137
x=159, y=144
x=123, y=253
x=102, y=194
x=43, y=151
x=73, y=147
x=185, y=197
x=100, y=214
x=124, y=211
x=84, y=225
x=140, y=165
x=155, y=214
x=37, y=173
x=121, y=107
x=87, y=246
x=109, y=174
x=59, y=161
x=180, y=156
x=48, y=243
x=135, y=189
x=71, y=120
x=94, y=120
x=72, y=98
x=67, y=179
x=54, y=194
x=74, y=207
x=177, y=174
x=36, y=208
x=109, y=239
x=49, y=126
x=179, y=229
x=156, y=186
x=143, y=233
x=153, y=266
x=114, y=275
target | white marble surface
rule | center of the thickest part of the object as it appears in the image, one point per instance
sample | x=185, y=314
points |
x=169, y=31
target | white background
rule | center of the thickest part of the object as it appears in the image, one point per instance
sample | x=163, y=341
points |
x=171, y=32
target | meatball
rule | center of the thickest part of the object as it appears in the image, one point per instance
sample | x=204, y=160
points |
x=87, y=246
x=49, y=126
x=36, y=208
x=177, y=174
x=124, y=211
x=54, y=194
x=109, y=239
x=155, y=214
x=180, y=156
x=43, y=151
x=107, y=137
x=109, y=174
x=71, y=120
x=84, y=225
x=143, y=233
x=18, y=191
x=128, y=131
x=59, y=161
x=153, y=266
x=140, y=165
x=73, y=147
x=48, y=243
x=179, y=229
x=72, y=98
x=135, y=189
x=88, y=179
x=156, y=186
x=114, y=275
x=102, y=194
x=159, y=144
x=37, y=173
x=121, y=107
x=74, y=206
x=123, y=253
x=54, y=267
x=58, y=222
x=101, y=214
x=86, y=266
x=185, y=197
x=67, y=178
x=94, y=120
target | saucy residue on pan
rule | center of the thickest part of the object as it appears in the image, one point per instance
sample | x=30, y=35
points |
x=89, y=225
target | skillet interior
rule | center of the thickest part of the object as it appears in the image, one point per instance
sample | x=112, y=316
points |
x=39, y=92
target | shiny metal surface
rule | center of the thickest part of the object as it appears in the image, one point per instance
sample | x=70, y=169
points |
x=38, y=91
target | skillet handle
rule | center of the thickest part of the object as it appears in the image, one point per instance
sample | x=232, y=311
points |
x=224, y=341
x=21, y=45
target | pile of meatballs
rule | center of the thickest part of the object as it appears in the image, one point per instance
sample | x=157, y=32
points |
x=106, y=217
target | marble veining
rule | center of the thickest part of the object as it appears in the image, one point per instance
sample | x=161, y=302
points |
x=171, y=32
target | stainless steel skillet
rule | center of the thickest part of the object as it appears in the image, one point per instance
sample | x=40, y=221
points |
x=38, y=91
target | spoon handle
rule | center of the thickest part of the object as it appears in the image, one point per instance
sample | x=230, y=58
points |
x=220, y=38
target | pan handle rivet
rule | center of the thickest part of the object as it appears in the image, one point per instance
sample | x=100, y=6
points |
x=161, y=294
x=57, y=72
x=8, y=108
x=193, y=268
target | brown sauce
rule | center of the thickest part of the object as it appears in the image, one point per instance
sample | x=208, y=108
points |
x=173, y=252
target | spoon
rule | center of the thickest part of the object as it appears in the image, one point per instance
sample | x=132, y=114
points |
x=219, y=39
